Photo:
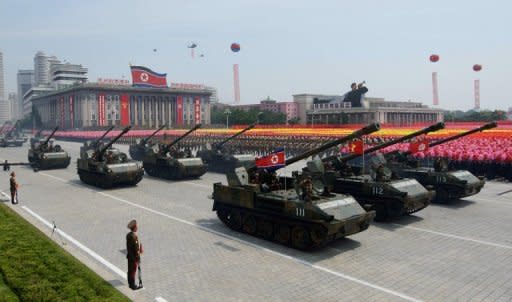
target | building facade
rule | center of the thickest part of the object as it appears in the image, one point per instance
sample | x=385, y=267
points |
x=42, y=65
x=287, y=108
x=328, y=109
x=4, y=105
x=12, y=100
x=96, y=105
x=25, y=81
x=66, y=75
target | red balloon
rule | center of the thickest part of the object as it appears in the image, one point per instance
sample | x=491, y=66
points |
x=477, y=67
x=434, y=58
x=235, y=47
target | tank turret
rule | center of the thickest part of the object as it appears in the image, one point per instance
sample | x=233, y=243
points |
x=106, y=167
x=139, y=149
x=169, y=163
x=219, y=159
x=448, y=184
x=289, y=210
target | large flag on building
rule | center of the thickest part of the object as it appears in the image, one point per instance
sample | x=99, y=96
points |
x=421, y=146
x=274, y=160
x=356, y=147
x=145, y=77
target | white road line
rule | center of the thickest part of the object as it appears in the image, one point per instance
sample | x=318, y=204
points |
x=160, y=299
x=7, y=196
x=98, y=258
x=455, y=236
x=54, y=177
x=309, y=264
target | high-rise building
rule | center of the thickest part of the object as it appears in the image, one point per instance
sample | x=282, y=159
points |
x=42, y=65
x=12, y=100
x=25, y=79
x=66, y=75
x=4, y=106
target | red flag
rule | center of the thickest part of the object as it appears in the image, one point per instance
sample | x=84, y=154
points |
x=275, y=160
x=421, y=146
x=145, y=77
x=125, y=110
x=356, y=147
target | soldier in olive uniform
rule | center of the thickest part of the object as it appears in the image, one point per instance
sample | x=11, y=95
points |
x=134, y=249
x=13, y=186
x=307, y=189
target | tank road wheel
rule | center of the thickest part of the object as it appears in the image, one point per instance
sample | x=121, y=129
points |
x=266, y=229
x=235, y=220
x=317, y=235
x=282, y=233
x=300, y=238
x=222, y=215
x=249, y=224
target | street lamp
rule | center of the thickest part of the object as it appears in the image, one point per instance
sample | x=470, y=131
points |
x=227, y=112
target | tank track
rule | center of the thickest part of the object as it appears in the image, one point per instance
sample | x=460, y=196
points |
x=102, y=180
x=298, y=234
x=165, y=172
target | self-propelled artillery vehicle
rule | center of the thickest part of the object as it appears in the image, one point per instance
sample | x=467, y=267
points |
x=140, y=148
x=106, y=167
x=448, y=184
x=12, y=137
x=44, y=155
x=380, y=190
x=167, y=162
x=296, y=210
x=220, y=159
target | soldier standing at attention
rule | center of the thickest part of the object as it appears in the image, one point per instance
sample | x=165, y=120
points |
x=14, y=188
x=133, y=251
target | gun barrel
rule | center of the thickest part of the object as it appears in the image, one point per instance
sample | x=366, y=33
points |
x=363, y=131
x=236, y=134
x=103, y=135
x=113, y=140
x=50, y=136
x=145, y=140
x=457, y=136
x=428, y=129
x=184, y=135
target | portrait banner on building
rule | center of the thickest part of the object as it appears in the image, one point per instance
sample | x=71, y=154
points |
x=101, y=110
x=179, y=110
x=197, y=110
x=71, y=112
x=125, y=110
x=61, y=112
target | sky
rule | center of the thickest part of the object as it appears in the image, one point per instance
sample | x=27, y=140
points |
x=287, y=47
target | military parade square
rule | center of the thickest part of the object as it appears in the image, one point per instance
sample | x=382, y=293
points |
x=243, y=154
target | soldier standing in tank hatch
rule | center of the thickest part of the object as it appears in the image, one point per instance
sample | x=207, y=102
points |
x=133, y=252
x=307, y=189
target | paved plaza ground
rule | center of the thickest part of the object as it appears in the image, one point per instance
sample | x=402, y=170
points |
x=461, y=251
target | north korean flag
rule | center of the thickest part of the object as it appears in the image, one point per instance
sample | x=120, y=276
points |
x=274, y=160
x=145, y=77
x=356, y=147
x=421, y=146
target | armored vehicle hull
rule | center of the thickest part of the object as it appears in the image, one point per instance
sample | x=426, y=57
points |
x=49, y=160
x=100, y=174
x=389, y=199
x=283, y=217
x=11, y=142
x=170, y=168
x=223, y=163
x=448, y=185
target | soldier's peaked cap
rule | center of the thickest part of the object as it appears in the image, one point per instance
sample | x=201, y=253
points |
x=132, y=224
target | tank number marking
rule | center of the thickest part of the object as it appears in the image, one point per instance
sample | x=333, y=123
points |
x=300, y=212
x=377, y=191
x=441, y=179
